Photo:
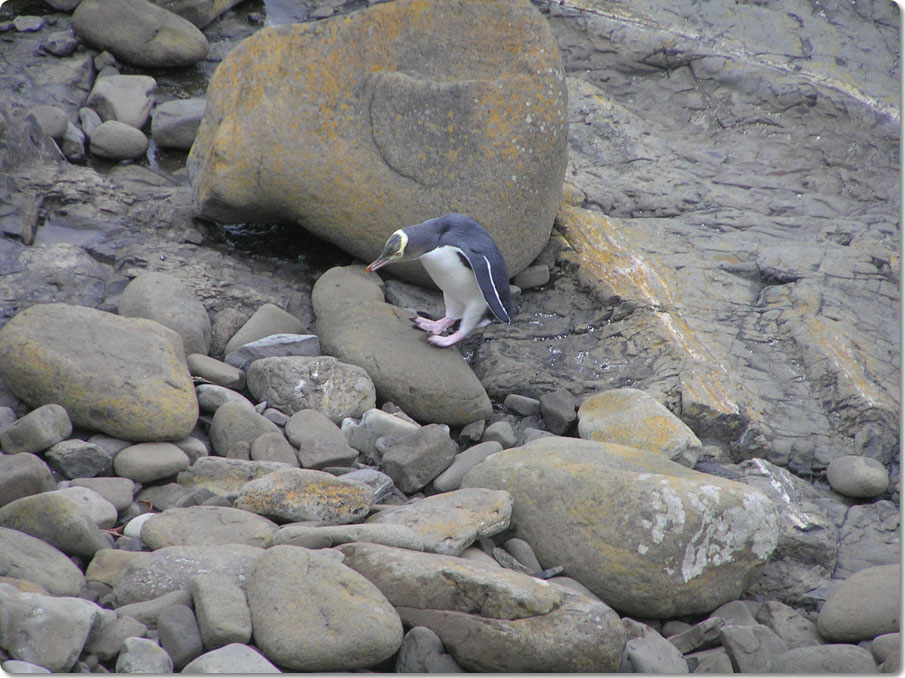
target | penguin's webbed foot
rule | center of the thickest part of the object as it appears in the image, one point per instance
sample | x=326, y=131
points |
x=448, y=340
x=432, y=326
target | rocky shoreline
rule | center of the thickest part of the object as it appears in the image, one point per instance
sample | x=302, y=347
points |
x=683, y=456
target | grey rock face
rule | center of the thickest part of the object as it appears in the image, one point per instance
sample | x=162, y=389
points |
x=172, y=303
x=869, y=536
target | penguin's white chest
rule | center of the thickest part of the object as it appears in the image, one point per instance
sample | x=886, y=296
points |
x=445, y=267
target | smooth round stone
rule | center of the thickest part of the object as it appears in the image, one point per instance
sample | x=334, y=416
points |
x=194, y=448
x=116, y=140
x=233, y=422
x=172, y=303
x=273, y=447
x=174, y=124
x=101, y=511
x=819, y=659
x=857, y=476
x=216, y=371
x=221, y=609
x=57, y=520
x=147, y=462
x=207, y=526
x=212, y=396
x=22, y=475
x=451, y=478
x=126, y=98
x=142, y=655
x=18, y=666
x=864, y=606
x=234, y=658
x=32, y=559
x=36, y=431
x=523, y=405
x=133, y=527
x=501, y=432
x=533, y=276
x=51, y=119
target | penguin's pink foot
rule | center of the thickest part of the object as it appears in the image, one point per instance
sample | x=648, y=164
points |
x=448, y=340
x=432, y=326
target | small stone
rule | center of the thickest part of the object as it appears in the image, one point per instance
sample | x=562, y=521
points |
x=116, y=140
x=849, y=659
x=141, y=655
x=522, y=552
x=273, y=447
x=22, y=475
x=277, y=417
x=709, y=661
x=29, y=558
x=795, y=629
x=522, y=405
x=134, y=526
x=558, y=410
x=126, y=98
x=194, y=448
x=862, y=607
x=735, y=612
x=751, y=648
x=52, y=120
x=108, y=642
x=858, y=477
x=451, y=478
x=28, y=24
x=472, y=432
x=73, y=143
x=212, y=396
x=89, y=120
x=147, y=611
x=146, y=462
x=422, y=651
x=174, y=124
x=233, y=422
x=57, y=520
x=374, y=424
x=180, y=636
x=61, y=43
x=101, y=511
x=112, y=446
x=652, y=653
x=108, y=564
x=234, y=658
x=501, y=432
x=118, y=491
x=15, y=666
x=216, y=371
x=375, y=533
x=380, y=483
x=275, y=345
x=207, y=526
x=320, y=442
x=533, y=276
x=416, y=459
x=36, y=431
x=703, y=634
x=884, y=645
x=267, y=320
x=222, y=611
x=239, y=450
x=303, y=494
x=79, y=459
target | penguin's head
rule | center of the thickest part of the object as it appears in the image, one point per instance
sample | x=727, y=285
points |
x=393, y=250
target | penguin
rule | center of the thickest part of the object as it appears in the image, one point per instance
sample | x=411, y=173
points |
x=465, y=263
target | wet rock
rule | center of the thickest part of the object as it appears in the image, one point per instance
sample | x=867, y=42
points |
x=375, y=117
x=140, y=33
x=101, y=511
x=222, y=611
x=451, y=478
x=334, y=388
x=116, y=140
x=869, y=536
x=22, y=475
x=702, y=538
x=358, y=327
x=824, y=659
x=172, y=568
x=57, y=520
x=126, y=98
x=169, y=301
x=107, y=642
x=751, y=648
x=53, y=638
x=174, y=124
x=374, y=533
x=141, y=655
x=492, y=619
x=302, y=494
x=863, y=606
x=793, y=628
x=180, y=637
x=448, y=523
x=629, y=416
x=558, y=409
x=146, y=462
x=215, y=371
x=324, y=616
x=856, y=476
x=206, y=526
x=273, y=447
x=268, y=320
x=320, y=442
x=233, y=422
x=416, y=459
x=273, y=346
x=36, y=431
x=79, y=459
x=422, y=651
x=32, y=559
x=233, y=658
x=225, y=477
x=79, y=357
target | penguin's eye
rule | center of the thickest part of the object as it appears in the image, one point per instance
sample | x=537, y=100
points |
x=396, y=245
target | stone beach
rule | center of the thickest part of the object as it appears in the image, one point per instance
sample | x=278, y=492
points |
x=225, y=449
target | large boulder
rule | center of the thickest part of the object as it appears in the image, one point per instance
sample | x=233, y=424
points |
x=386, y=117
x=648, y=536
x=125, y=377
x=493, y=619
x=357, y=326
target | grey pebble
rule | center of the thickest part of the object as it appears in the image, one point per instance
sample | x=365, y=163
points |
x=522, y=405
x=558, y=409
x=146, y=462
x=107, y=642
x=857, y=476
x=216, y=371
x=501, y=432
x=451, y=478
x=268, y=320
x=142, y=655
x=180, y=636
x=212, y=396
x=422, y=651
x=235, y=658
x=274, y=345
x=273, y=447
x=36, y=431
x=319, y=441
x=533, y=276
x=416, y=459
x=522, y=552
x=222, y=611
x=76, y=458
x=22, y=475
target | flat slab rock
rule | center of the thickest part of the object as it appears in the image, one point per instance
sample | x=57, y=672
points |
x=357, y=326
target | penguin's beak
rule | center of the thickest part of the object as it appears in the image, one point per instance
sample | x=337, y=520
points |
x=393, y=249
x=377, y=263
